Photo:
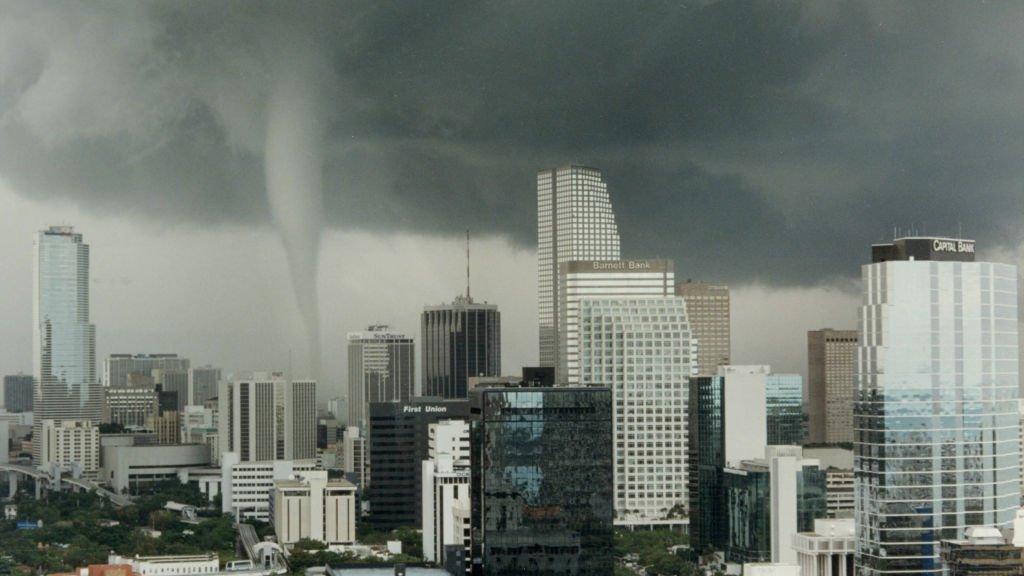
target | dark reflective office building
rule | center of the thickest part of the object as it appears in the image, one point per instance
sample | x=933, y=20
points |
x=460, y=340
x=542, y=480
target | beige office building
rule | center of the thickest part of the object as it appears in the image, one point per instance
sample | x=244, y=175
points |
x=831, y=360
x=707, y=308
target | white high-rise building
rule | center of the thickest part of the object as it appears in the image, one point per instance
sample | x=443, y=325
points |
x=575, y=221
x=64, y=341
x=640, y=347
x=937, y=443
x=446, y=508
x=449, y=437
x=381, y=367
x=70, y=443
x=311, y=507
x=607, y=280
x=267, y=417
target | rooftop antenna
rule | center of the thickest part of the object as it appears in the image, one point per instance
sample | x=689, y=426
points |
x=467, y=264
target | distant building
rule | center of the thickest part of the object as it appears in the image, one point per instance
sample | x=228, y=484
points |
x=381, y=366
x=166, y=426
x=594, y=279
x=176, y=381
x=203, y=384
x=708, y=310
x=69, y=443
x=640, y=347
x=129, y=406
x=541, y=466
x=355, y=465
x=176, y=565
x=119, y=368
x=18, y=393
x=199, y=425
x=575, y=221
x=784, y=397
x=398, y=444
x=831, y=362
x=457, y=341
x=245, y=486
x=64, y=341
x=137, y=467
x=312, y=507
x=828, y=549
x=264, y=416
x=984, y=551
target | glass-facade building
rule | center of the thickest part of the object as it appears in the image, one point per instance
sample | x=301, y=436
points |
x=706, y=461
x=641, y=348
x=18, y=393
x=458, y=341
x=64, y=343
x=575, y=221
x=541, y=462
x=787, y=421
x=936, y=424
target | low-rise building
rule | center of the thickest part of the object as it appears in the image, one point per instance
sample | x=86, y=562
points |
x=828, y=550
x=985, y=551
x=175, y=565
x=308, y=506
x=245, y=486
x=770, y=569
x=129, y=468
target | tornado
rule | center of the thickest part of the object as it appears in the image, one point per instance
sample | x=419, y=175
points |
x=293, y=164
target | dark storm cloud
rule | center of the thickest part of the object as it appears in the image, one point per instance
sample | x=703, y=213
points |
x=770, y=141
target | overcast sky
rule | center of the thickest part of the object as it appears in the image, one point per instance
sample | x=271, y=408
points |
x=764, y=145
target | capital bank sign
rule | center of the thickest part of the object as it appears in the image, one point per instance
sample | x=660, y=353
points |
x=953, y=246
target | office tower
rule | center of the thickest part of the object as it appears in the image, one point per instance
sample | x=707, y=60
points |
x=937, y=433
x=398, y=444
x=70, y=444
x=312, y=507
x=768, y=500
x=787, y=423
x=831, y=358
x=707, y=307
x=338, y=408
x=606, y=280
x=458, y=341
x=541, y=476
x=264, y=416
x=728, y=424
x=128, y=406
x=447, y=515
x=173, y=380
x=640, y=347
x=166, y=426
x=64, y=342
x=18, y=393
x=380, y=369
x=575, y=221
x=202, y=384
x=119, y=368
x=828, y=550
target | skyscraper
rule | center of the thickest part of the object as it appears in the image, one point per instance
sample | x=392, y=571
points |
x=575, y=221
x=264, y=416
x=64, y=342
x=458, y=341
x=607, y=280
x=935, y=417
x=18, y=393
x=541, y=477
x=640, y=348
x=831, y=359
x=118, y=369
x=202, y=384
x=173, y=380
x=784, y=396
x=380, y=369
x=707, y=307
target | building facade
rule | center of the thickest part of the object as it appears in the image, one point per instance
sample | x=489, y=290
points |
x=575, y=221
x=640, y=347
x=64, y=340
x=708, y=309
x=381, y=367
x=70, y=443
x=984, y=551
x=264, y=416
x=129, y=406
x=118, y=369
x=203, y=383
x=787, y=422
x=134, y=468
x=937, y=432
x=245, y=486
x=458, y=341
x=446, y=511
x=398, y=444
x=18, y=393
x=583, y=280
x=541, y=475
x=831, y=363
x=312, y=507
x=828, y=550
